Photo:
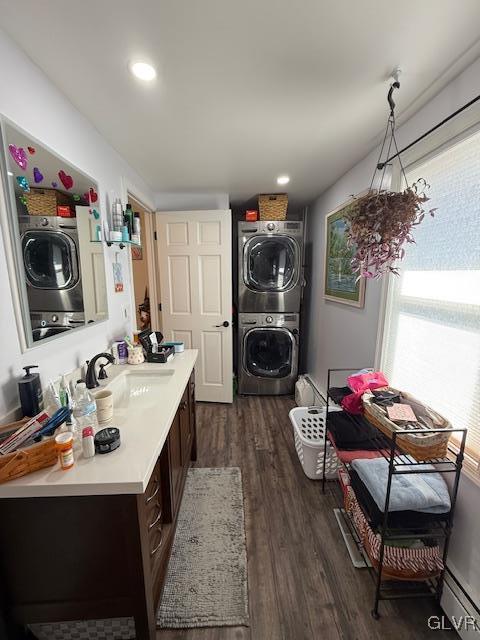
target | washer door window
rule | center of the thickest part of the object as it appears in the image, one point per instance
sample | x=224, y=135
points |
x=268, y=352
x=270, y=263
x=50, y=260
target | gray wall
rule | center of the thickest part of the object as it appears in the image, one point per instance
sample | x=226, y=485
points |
x=341, y=336
x=338, y=335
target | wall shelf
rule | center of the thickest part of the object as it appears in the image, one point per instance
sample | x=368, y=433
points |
x=120, y=243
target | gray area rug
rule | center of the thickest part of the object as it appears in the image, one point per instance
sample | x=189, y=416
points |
x=206, y=585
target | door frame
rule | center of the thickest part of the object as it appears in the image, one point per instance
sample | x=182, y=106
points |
x=132, y=193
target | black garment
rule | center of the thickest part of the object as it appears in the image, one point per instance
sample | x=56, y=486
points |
x=385, y=398
x=396, y=519
x=352, y=432
x=337, y=394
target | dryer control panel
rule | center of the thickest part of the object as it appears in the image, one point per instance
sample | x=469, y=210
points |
x=290, y=320
x=289, y=227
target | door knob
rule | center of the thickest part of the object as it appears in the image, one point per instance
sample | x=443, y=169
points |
x=225, y=324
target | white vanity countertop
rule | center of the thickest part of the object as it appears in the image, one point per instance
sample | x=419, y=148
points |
x=143, y=431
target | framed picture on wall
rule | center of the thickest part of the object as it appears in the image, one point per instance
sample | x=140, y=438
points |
x=340, y=282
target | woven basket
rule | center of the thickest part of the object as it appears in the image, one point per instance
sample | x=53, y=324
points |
x=44, y=202
x=422, y=445
x=23, y=461
x=399, y=563
x=273, y=207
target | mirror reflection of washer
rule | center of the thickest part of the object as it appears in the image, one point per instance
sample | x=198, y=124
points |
x=268, y=348
x=270, y=265
x=51, y=257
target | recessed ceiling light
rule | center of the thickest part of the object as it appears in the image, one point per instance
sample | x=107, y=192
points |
x=283, y=180
x=143, y=70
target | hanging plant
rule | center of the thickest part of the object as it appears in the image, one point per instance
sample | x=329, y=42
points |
x=381, y=221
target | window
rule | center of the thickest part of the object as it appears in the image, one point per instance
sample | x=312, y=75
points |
x=431, y=339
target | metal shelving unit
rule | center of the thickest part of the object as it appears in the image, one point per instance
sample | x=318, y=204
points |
x=401, y=463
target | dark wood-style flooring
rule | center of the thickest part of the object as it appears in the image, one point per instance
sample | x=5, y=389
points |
x=302, y=585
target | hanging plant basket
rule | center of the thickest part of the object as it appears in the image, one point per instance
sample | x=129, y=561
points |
x=380, y=223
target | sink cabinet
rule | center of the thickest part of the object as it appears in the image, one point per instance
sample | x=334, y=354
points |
x=99, y=556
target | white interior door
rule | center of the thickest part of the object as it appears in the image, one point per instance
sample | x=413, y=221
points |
x=194, y=259
x=92, y=266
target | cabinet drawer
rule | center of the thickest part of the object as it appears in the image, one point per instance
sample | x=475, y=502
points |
x=156, y=537
x=153, y=492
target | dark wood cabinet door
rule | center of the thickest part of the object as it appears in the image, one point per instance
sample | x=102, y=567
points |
x=185, y=430
x=192, y=416
x=176, y=465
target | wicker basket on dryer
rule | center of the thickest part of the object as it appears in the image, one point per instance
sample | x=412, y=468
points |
x=44, y=202
x=423, y=443
x=273, y=206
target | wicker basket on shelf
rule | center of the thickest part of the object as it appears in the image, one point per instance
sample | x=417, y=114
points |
x=424, y=444
x=44, y=202
x=399, y=563
x=273, y=207
x=28, y=459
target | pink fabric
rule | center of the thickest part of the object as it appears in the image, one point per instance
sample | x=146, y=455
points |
x=348, y=456
x=359, y=384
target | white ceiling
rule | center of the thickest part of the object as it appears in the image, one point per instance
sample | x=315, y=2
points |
x=246, y=89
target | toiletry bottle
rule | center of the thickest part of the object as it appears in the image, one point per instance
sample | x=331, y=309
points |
x=30, y=392
x=63, y=391
x=129, y=219
x=136, y=223
x=65, y=397
x=117, y=215
x=84, y=408
x=88, y=442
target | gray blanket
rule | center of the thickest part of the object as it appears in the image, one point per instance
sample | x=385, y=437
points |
x=426, y=492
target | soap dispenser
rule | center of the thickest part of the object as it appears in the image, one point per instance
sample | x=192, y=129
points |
x=30, y=392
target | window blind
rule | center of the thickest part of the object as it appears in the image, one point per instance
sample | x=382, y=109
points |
x=431, y=343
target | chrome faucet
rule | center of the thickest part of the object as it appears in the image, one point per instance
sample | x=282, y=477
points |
x=91, y=376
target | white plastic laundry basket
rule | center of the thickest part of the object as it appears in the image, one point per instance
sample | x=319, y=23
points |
x=309, y=430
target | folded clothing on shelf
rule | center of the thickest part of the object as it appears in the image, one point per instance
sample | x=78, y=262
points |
x=359, y=383
x=398, y=563
x=346, y=457
x=426, y=492
x=407, y=519
x=354, y=432
x=337, y=394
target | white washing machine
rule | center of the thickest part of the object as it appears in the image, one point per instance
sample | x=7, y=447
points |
x=268, y=353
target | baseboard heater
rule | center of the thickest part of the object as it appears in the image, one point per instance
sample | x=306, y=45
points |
x=460, y=609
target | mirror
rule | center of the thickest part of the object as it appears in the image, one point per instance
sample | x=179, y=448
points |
x=56, y=235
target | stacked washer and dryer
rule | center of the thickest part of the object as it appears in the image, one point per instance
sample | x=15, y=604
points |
x=270, y=280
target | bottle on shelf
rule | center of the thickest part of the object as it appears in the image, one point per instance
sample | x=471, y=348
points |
x=136, y=223
x=117, y=215
x=129, y=219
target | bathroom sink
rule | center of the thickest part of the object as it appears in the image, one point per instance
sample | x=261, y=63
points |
x=139, y=390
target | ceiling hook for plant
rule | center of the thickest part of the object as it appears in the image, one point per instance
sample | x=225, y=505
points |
x=395, y=85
